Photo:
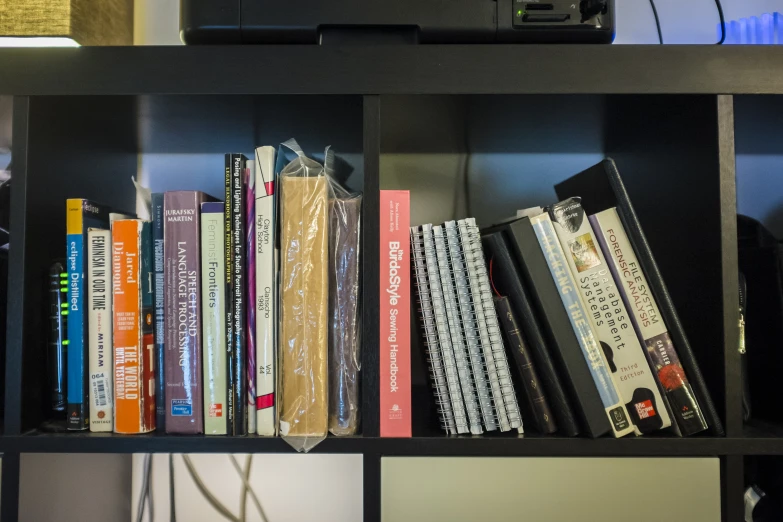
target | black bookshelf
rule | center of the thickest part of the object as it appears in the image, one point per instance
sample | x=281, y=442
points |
x=666, y=114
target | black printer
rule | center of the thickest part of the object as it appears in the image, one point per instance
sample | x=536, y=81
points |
x=396, y=21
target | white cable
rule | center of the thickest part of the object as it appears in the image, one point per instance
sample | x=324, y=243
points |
x=144, y=488
x=246, y=484
x=219, y=507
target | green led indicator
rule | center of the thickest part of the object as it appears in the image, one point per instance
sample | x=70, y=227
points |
x=64, y=282
x=64, y=274
x=66, y=342
x=519, y=13
x=64, y=312
x=63, y=289
x=64, y=305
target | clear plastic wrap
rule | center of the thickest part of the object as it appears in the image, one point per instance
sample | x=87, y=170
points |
x=344, y=327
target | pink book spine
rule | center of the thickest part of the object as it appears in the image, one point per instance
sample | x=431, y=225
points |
x=395, y=306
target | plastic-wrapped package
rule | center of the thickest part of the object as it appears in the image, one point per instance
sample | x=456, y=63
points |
x=344, y=233
x=304, y=282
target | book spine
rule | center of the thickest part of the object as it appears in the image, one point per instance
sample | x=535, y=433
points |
x=648, y=322
x=184, y=397
x=160, y=326
x=148, y=363
x=238, y=297
x=126, y=288
x=534, y=393
x=266, y=292
x=628, y=365
x=229, y=283
x=100, y=339
x=213, y=291
x=577, y=315
x=81, y=214
x=395, y=361
x=250, y=299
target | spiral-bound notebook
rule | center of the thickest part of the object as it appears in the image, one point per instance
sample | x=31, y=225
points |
x=468, y=364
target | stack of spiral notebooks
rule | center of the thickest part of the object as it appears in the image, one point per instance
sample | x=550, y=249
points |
x=470, y=373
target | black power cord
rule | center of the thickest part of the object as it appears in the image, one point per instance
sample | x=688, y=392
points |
x=720, y=13
x=657, y=21
x=722, y=22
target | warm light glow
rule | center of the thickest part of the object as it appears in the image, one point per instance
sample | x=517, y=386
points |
x=37, y=41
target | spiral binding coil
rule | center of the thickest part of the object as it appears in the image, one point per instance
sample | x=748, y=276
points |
x=472, y=243
x=444, y=338
x=467, y=313
x=455, y=331
x=426, y=313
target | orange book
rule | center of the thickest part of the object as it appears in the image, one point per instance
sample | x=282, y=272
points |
x=134, y=387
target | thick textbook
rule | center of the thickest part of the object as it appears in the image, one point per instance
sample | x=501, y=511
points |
x=160, y=292
x=603, y=300
x=266, y=291
x=99, y=286
x=81, y=215
x=132, y=290
x=507, y=280
x=213, y=304
x=561, y=337
x=648, y=322
x=580, y=322
x=601, y=188
x=395, y=356
x=182, y=275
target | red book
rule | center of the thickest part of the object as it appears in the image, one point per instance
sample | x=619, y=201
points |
x=395, y=314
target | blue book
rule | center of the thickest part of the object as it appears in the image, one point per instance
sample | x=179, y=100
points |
x=581, y=323
x=81, y=214
x=157, y=246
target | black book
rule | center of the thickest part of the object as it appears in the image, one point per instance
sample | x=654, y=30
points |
x=506, y=278
x=556, y=324
x=160, y=332
x=238, y=304
x=602, y=188
x=535, y=405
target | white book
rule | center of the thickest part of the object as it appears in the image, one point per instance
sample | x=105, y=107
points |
x=266, y=291
x=213, y=305
x=101, y=365
x=477, y=271
x=629, y=368
x=458, y=343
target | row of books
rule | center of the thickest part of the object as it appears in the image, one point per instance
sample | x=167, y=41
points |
x=575, y=301
x=174, y=323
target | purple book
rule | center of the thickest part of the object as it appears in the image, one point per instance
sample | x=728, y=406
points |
x=250, y=278
x=182, y=310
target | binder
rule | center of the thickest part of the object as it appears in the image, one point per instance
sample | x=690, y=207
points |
x=601, y=188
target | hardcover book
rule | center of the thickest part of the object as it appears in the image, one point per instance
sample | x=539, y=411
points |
x=160, y=329
x=580, y=322
x=648, y=322
x=213, y=293
x=395, y=306
x=182, y=276
x=99, y=285
x=133, y=329
x=266, y=291
x=81, y=215
x=628, y=364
